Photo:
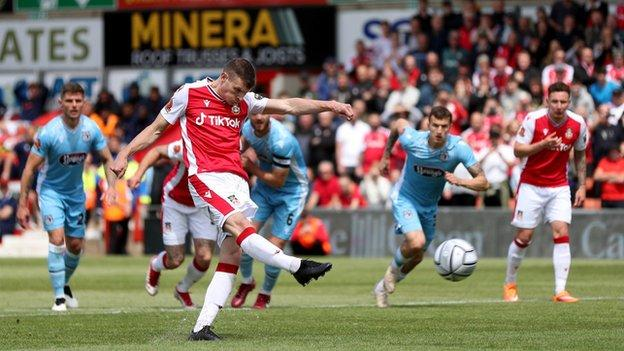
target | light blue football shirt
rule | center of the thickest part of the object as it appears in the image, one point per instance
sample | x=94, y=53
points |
x=65, y=151
x=279, y=148
x=422, y=178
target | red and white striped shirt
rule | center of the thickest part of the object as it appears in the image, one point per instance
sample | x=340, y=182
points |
x=210, y=127
x=176, y=183
x=549, y=168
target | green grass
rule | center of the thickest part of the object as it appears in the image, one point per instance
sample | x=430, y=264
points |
x=334, y=313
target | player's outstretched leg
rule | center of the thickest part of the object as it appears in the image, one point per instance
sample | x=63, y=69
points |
x=393, y=273
x=515, y=255
x=156, y=265
x=248, y=283
x=381, y=295
x=264, y=251
x=561, y=264
x=194, y=272
x=56, y=270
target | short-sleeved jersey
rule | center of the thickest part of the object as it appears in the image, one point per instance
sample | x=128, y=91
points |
x=549, y=168
x=422, y=178
x=65, y=151
x=279, y=148
x=176, y=183
x=210, y=127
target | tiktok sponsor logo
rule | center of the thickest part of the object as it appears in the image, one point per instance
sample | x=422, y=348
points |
x=218, y=121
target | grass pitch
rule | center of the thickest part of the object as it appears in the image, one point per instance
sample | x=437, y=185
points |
x=334, y=313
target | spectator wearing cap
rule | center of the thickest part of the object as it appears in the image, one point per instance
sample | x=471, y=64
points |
x=602, y=90
x=616, y=110
x=610, y=172
x=558, y=71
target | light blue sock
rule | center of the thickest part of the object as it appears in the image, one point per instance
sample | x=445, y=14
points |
x=56, y=269
x=270, y=278
x=246, y=268
x=398, y=259
x=71, y=262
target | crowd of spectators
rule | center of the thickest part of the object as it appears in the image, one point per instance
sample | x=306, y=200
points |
x=489, y=67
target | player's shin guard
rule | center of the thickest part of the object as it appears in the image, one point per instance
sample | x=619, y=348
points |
x=56, y=269
x=71, y=262
x=561, y=262
x=194, y=272
x=271, y=273
x=216, y=294
x=514, y=259
x=264, y=251
x=246, y=268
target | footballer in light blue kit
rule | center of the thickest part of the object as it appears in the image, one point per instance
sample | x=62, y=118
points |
x=431, y=159
x=280, y=191
x=61, y=148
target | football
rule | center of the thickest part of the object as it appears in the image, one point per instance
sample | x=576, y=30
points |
x=455, y=259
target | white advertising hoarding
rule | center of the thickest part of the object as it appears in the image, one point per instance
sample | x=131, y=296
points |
x=51, y=44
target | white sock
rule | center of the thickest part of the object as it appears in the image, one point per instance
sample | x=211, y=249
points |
x=216, y=294
x=561, y=263
x=514, y=259
x=380, y=286
x=158, y=263
x=193, y=274
x=264, y=251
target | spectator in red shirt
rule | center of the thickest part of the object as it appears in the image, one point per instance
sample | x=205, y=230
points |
x=326, y=188
x=350, y=196
x=610, y=171
x=374, y=143
x=476, y=136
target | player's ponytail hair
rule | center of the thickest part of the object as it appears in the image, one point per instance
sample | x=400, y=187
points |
x=557, y=87
x=72, y=88
x=441, y=112
x=243, y=69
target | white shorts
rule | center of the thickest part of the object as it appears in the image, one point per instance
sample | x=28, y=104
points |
x=534, y=202
x=178, y=219
x=223, y=194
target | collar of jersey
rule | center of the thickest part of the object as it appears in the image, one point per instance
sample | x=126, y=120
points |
x=212, y=91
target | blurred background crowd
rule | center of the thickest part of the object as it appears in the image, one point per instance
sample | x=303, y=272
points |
x=490, y=69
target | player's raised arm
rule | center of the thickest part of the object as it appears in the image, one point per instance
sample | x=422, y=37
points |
x=146, y=138
x=23, y=214
x=299, y=106
x=397, y=128
x=148, y=160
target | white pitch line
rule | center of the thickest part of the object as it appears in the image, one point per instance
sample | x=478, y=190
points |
x=111, y=311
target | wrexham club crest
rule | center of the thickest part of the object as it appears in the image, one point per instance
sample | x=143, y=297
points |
x=235, y=109
x=569, y=134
